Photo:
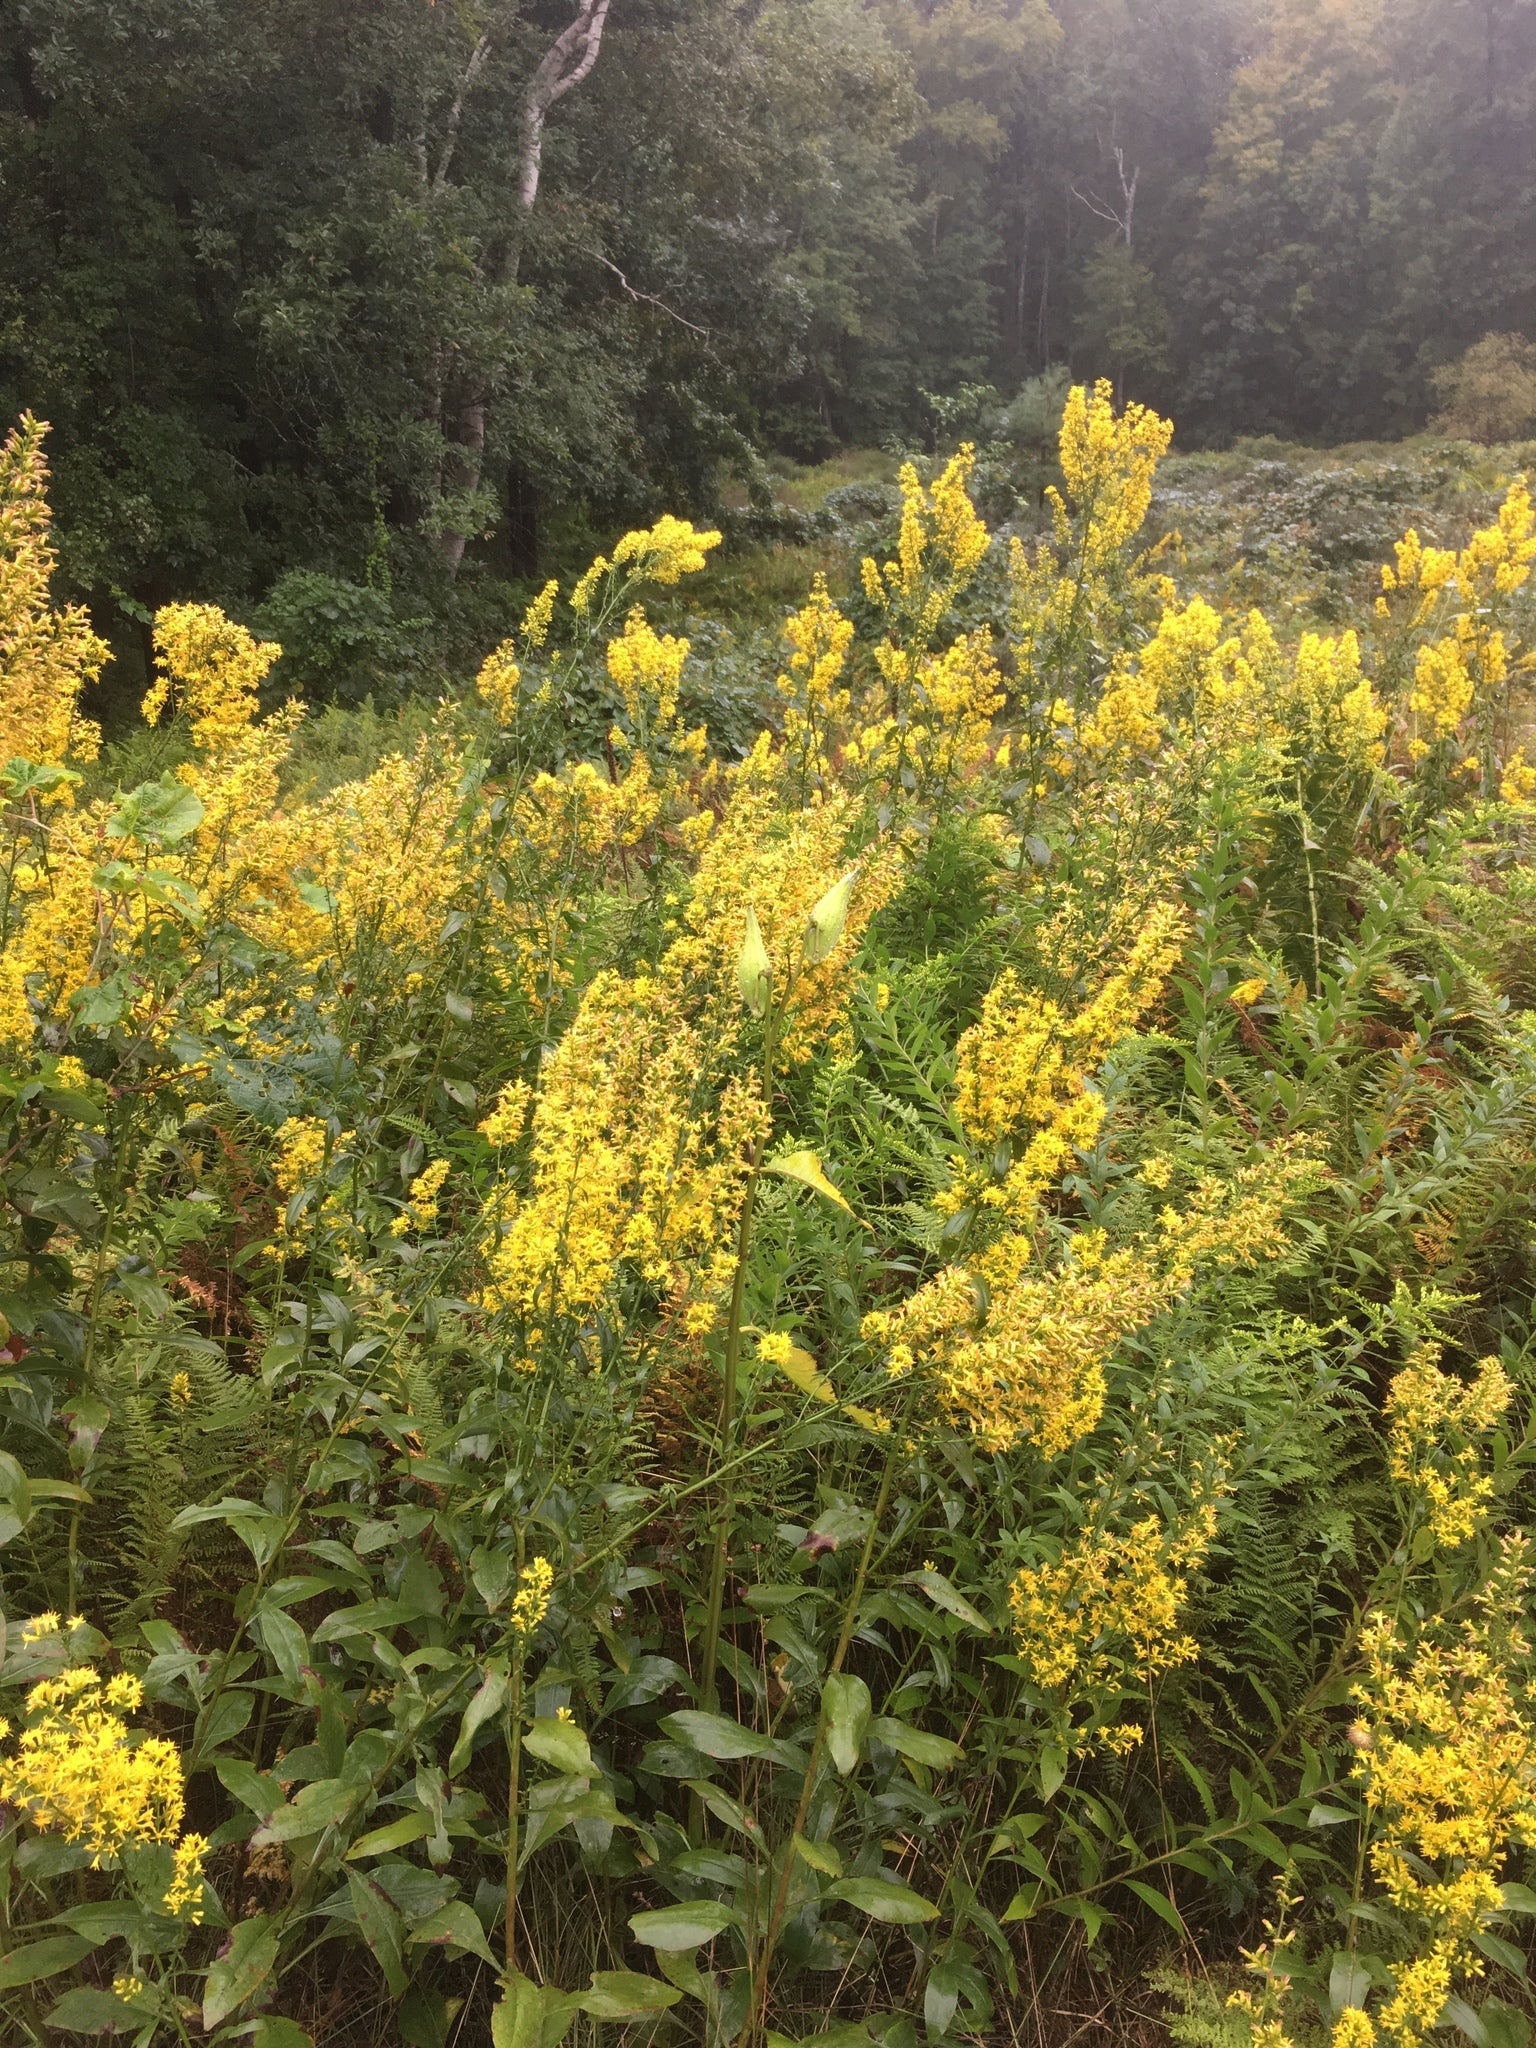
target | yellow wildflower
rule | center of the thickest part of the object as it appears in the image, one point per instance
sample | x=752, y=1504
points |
x=75, y=1772
x=530, y=1603
x=184, y=1896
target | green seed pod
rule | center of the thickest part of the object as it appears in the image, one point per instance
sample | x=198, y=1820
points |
x=826, y=923
x=754, y=971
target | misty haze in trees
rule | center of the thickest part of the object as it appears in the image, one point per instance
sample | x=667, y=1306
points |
x=391, y=289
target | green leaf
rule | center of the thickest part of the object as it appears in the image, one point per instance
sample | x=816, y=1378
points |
x=273, y=2031
x=626, y=1995
x=943, y=1594
x=848, y=1709
x=237, y=1976
x=253, y=1788
x=936, y=1752
x=1160, y=1903
x=283, y=1640
x=487, y=1702
x=820, y=1856
x=687, y=1925
x=42, y=1959
x=382, y=1928
x=882, y=1900
x=560, y=1744
x=1349, y=1982
x=531, y=2015
x=454, y=1925
x=158, y=813
x=728, y=1811
x=88, y=2011
x=714, y=1735
x=412, y=1827
x=315, y=1808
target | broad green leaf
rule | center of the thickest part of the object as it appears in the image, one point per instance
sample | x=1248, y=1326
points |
x=42, y=1959
x=689, y=1924
x=715, y=1735
x=237, y=1976
x=531, y=2015
x=253, y=1788
x=273, y=2031
x=88, y=2011
x=807, y=1168
x=626, y=1995
x=936, y=1752
x=283, y=1640
x=486, y=1704
x=561, y=1745
x=382, y=1928
x=882, y=1900
x=820, y=1856
x=454, y=1925
x=412, y=1827
x=1349, y=1982
x=847, y=1710
x=316, y=1807
x=728, y=1811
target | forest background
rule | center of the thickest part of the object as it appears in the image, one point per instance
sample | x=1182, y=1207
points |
x=261, y=261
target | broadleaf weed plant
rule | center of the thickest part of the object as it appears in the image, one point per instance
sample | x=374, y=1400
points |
x=746, y=1401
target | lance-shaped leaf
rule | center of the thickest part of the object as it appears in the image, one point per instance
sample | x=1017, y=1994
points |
x=807, y=1168
x=802, y=1371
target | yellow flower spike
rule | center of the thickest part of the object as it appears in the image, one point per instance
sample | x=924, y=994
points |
x=530, y=1603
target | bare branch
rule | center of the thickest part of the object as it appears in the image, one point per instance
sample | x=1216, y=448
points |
x=650, y=299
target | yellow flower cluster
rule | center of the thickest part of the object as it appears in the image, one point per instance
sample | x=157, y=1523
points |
x=1109, y=460
x=530, y=1602
x=76, y=1771
x=632, y=1160
x=815, y=704
x=1434, y=1420
x=647, y=669
x=779, y=863
x=939, y=548
x=1021, y=1071
x=1018, y=1354
x=1449, y=1772
x=420, y=1211
x=1077, y=594
x=46, y=656
x=663, y=553
x=509, y=1116
x=213, y=669
x=1106, y=1612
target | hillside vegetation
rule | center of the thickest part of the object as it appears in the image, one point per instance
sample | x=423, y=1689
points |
x=819, y=1335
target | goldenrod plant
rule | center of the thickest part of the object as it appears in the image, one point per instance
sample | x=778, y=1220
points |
x=742, y=1400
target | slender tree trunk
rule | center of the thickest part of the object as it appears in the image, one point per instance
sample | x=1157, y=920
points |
x=564, y=64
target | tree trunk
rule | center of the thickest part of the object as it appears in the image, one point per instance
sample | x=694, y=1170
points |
x=564, y=64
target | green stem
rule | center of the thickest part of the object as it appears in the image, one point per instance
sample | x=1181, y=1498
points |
x=725, y=1513
x=808, y=1787
x=514, y=1754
